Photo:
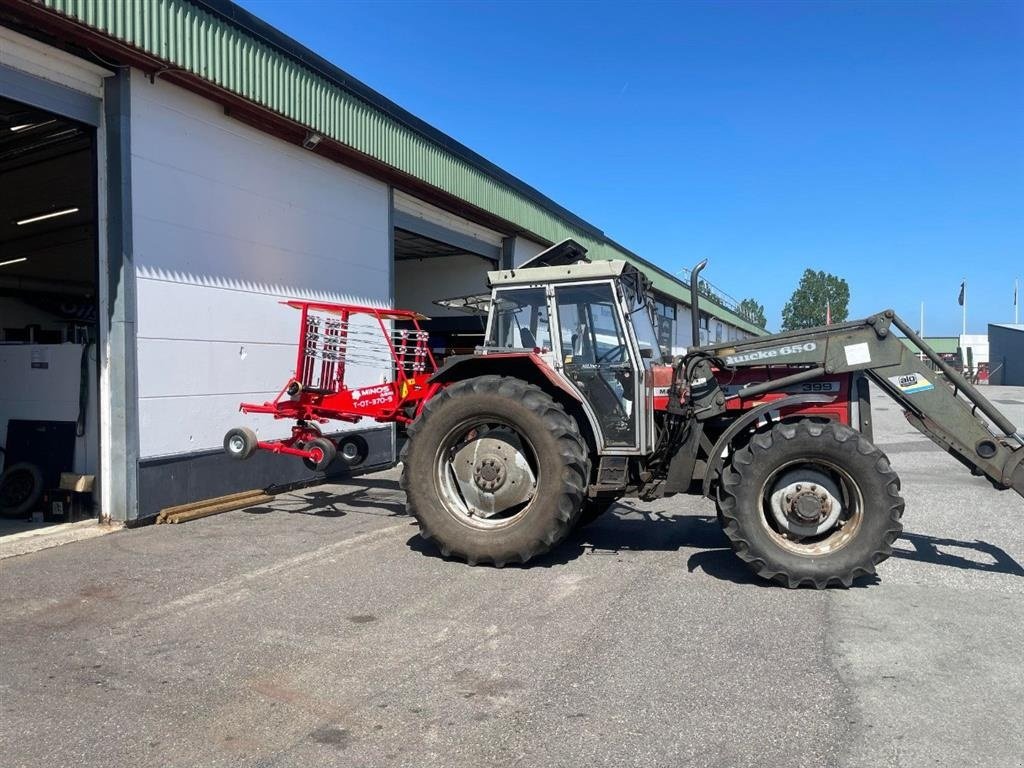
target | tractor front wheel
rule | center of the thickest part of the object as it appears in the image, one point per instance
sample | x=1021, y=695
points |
x=810, y=503
x=495, y=471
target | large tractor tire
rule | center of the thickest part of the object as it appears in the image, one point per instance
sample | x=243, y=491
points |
x=810, y=503
x=495, y=471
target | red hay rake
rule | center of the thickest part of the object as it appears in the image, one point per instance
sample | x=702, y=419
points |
x=333, y=338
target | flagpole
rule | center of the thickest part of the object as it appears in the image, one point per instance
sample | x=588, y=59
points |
x=1016, y=303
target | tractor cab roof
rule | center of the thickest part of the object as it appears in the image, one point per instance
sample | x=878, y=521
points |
x=561, y=262
x=586, y=270
x=564, y=262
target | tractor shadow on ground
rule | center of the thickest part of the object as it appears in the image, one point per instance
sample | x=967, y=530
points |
x=626, y=530
x=623, y=530
x=379, y=498
x=930, y=549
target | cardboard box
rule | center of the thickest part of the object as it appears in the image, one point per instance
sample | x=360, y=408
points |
x=69, y=481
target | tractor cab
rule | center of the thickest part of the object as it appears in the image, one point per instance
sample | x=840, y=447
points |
x=590, y=323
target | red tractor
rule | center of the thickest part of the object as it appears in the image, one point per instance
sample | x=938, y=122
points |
x=569, y=406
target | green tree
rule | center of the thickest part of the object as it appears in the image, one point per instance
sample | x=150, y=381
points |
x=752, y=311
x=806, y=308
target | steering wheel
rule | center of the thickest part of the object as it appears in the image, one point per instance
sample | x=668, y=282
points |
x=616, y=354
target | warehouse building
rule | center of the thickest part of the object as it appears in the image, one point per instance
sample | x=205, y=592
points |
x=1006, y=354
x=170, y=170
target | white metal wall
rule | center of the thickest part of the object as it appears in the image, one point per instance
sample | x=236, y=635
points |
x=525, y=250
x=227, y=221
x=419, y=283
x=415, y=207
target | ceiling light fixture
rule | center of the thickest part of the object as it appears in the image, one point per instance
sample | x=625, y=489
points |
x=42, y=216
x=13, y=261
x=26, y=126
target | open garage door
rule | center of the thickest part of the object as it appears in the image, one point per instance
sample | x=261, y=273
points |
x=48, y=317
x=438, y=256
x=426, y=271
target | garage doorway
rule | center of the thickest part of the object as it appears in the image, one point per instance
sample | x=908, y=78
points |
x=429, y=270
x=49, y=316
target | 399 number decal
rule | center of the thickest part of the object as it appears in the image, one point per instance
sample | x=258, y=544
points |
x=820, y=386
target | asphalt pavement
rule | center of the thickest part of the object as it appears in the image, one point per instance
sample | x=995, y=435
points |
x=321, y=630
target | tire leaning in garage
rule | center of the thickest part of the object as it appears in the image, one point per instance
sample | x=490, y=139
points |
x=513, y=439
x=21, y=486
x=772, y=506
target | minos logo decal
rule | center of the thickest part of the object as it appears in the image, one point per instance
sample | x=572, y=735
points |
x=911, y=383
x=373, y=395
x=768, y=354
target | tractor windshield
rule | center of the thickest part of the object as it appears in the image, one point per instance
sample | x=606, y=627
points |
x=641, y=315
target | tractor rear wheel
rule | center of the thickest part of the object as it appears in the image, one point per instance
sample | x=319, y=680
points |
x=495, y=471
x=810, y=503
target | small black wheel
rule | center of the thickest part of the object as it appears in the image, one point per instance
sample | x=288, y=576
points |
x=21, y=485
x=323, y=451
x=353, y=450
x=593, y=509
x=808, y=503
x=240, y=443
x=495, y=471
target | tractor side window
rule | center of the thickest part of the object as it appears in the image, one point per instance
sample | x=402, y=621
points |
x=589, y=325
x=520, y=319
x=641, y=315
x=596, y=357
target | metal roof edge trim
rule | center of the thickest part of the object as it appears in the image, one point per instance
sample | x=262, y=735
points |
x=269, y=35
x=212, y=40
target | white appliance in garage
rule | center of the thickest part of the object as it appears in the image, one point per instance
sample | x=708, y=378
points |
x=41, y=382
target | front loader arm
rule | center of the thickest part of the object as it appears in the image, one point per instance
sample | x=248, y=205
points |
x=947, y=412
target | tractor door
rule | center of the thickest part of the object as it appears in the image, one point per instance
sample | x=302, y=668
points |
x=598, y=358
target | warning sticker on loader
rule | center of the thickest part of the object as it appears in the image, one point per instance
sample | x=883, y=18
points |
x=911, y=383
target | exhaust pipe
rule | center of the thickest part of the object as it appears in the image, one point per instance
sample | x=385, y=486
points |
x=695, y=303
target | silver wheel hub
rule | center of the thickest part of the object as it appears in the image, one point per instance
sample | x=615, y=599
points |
x=493, y=474
x=489, y=473
x=805, y=509
x=237, y=444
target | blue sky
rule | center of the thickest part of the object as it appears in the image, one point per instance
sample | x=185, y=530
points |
x=883, y=142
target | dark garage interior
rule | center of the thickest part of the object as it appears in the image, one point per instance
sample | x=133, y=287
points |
x=48, y=318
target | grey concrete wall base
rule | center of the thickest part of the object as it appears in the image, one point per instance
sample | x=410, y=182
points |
x=165, y=482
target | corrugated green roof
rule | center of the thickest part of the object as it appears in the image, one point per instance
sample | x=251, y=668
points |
x=942, y=344
x=216, y=43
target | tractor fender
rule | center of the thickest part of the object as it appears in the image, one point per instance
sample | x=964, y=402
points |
x=530, y=367
x=715, y=459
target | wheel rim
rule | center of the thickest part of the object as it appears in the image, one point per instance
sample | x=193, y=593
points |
x=811, y=507
x=17, y=488
x=236, y=443
x=349, y=451
x=486, y=473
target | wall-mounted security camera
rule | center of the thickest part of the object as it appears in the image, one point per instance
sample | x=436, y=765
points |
x=312, y=140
